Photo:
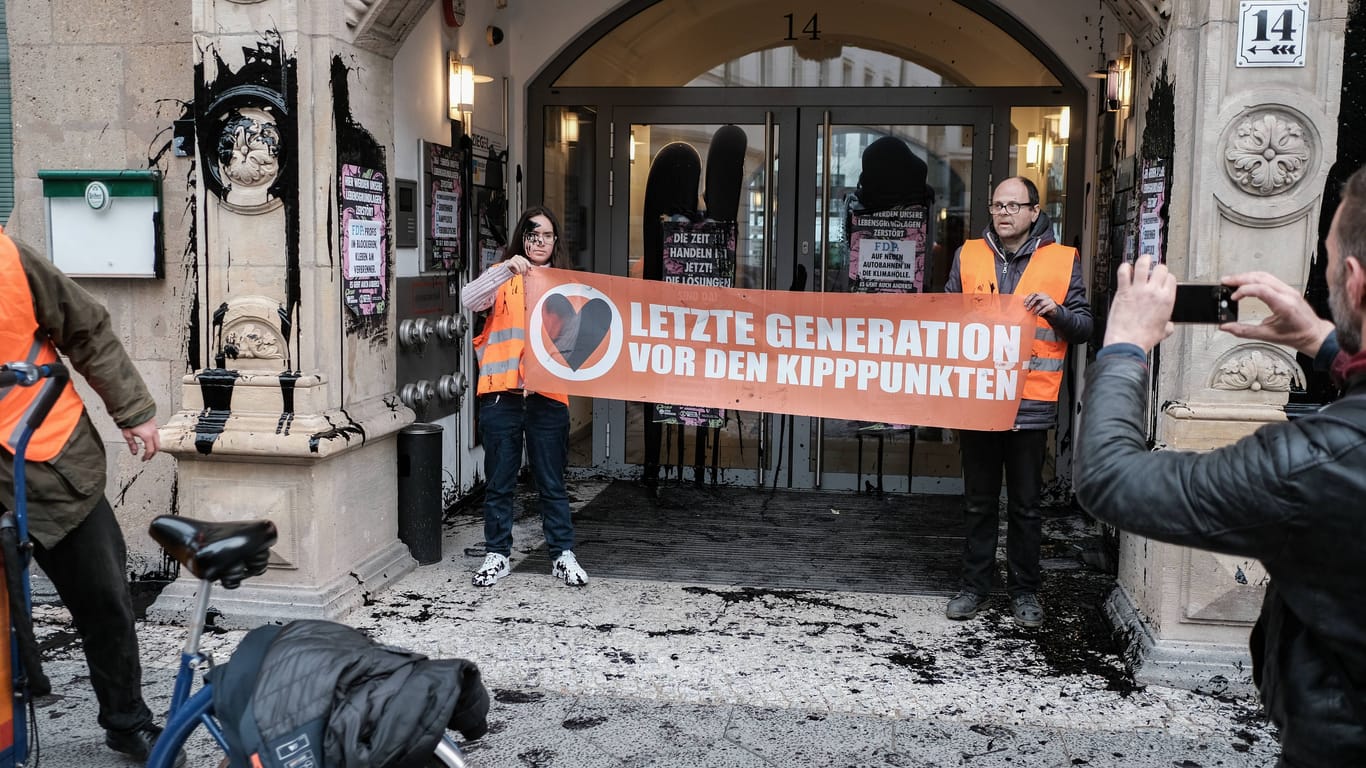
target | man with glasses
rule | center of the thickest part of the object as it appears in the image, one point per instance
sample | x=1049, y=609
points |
x=1016, y=254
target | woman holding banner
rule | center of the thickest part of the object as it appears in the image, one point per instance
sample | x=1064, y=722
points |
x=509, y=415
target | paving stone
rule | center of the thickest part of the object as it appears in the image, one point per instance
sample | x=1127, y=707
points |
x=677, y=674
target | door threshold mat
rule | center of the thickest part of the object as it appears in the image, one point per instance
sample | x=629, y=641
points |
x=896, y=543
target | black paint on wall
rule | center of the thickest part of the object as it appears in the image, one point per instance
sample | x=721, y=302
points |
x=189, y=256
x=216, y=326
x=215, y=386
x=342, y=431
x=267, y=79
x=1159, y=140
x=287, y=380
x=1351, y=155
x=357, y=146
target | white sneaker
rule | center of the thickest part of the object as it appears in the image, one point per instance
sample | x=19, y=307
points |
x=494, y=568
x=566, y=568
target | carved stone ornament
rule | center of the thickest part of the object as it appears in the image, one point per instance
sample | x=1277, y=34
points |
x=1267, y=152
x=250, y=150
x=252, y=338
x=1258, y=368
x=249, y=158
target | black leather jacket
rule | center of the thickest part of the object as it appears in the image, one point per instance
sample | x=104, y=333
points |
x=322, y=691
x=1292, y=495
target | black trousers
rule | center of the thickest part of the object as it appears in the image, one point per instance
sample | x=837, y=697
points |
x=88, y=567
x=1020, y=454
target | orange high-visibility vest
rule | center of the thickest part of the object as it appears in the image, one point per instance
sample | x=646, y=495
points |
x=1049, y=271
x=22, y=340
x=499, y=348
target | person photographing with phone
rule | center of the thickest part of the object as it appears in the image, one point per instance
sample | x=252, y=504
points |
x=1289, y=494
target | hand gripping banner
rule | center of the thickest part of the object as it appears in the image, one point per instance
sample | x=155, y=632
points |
x=939, y=360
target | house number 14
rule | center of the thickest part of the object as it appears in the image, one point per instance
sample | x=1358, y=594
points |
x=812, y=28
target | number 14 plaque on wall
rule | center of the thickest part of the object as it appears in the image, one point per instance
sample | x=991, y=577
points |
x=1271, y=33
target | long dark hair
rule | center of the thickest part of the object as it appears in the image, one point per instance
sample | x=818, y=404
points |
x=517, y=243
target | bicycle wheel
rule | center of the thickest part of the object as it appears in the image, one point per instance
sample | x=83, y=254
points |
x=447, y=754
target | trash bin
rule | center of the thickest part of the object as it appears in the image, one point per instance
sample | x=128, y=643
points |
x=419, y=491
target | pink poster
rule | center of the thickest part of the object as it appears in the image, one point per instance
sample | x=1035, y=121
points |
x=364, y=239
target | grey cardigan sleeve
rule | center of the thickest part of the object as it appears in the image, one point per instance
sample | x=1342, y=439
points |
x=1073, y=320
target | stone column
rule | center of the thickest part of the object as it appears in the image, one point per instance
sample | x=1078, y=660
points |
x=1253, y=149
x=291, y=414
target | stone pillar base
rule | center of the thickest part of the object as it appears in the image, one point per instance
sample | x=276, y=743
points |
x=1214, y=668
x=328, y=478
x=256, y=603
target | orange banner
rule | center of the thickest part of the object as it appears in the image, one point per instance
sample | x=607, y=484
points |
x=940, y=360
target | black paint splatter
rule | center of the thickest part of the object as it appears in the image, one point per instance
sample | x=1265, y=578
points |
x=215, y=385
x=267, y=77
x=357, y=146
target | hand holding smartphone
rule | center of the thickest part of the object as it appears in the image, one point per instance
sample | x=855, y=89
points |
x=1204, y=303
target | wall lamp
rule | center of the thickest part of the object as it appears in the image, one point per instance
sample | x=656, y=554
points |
x=460, y=79
x=1032, y=147
x=569, y=126
x=1117, y=84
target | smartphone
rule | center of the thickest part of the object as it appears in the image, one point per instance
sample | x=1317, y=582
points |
x=1204, y=303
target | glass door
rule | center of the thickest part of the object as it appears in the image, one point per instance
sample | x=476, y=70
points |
x=714, y=170
x=890, y=195
x=786, y=182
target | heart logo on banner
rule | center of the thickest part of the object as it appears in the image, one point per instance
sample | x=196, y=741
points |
x=577, y=333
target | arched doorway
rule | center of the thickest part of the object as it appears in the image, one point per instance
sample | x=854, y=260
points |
x=973, y=94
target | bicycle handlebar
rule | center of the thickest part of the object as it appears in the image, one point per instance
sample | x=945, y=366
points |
x=27, y=375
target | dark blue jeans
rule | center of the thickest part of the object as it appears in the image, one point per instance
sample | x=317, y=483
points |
x=89, y=569
x=503, y=421
x=985, y=454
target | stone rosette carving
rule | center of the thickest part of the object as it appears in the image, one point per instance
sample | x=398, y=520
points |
x=1257, y=368
x=1267, y=151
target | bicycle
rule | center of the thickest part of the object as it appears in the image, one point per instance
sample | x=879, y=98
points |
x=24, y=668
x=226, y=553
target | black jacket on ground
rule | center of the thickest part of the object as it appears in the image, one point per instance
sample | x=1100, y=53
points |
x=1292, y=495
x=324, y=688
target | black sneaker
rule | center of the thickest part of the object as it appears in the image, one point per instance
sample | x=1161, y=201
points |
x=964, y=605
x=1028, y=613
x=138, y=742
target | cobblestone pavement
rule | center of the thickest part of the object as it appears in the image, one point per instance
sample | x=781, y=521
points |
x=643, y=673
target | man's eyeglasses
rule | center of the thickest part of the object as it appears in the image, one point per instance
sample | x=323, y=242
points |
x=539, y=238
x=1011, y=207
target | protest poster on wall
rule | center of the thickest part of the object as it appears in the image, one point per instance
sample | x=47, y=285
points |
x=1152, y=195
x=364, y=239
x=443, y=177
x=887, y=250
x=941, y=360
x=697, y=253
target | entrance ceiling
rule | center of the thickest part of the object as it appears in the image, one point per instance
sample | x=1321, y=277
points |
x=674, y=41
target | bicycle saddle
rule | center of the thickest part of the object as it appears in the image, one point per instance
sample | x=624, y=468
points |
x=223, y=552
